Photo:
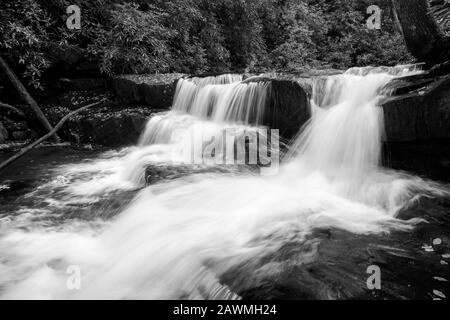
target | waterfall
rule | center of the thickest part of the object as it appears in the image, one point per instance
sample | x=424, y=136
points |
x=221, y=99
x=202, y=108
x=343, y=138
x=189, y=237
x=224, y=99
x=344, y=135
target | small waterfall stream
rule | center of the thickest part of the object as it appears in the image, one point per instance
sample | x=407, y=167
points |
x=217, y=235
x=221, y=99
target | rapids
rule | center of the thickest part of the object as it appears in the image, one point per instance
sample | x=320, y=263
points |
x=221, y=231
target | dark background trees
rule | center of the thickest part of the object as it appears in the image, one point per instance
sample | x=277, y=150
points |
x=194, y=36
x=425, y=25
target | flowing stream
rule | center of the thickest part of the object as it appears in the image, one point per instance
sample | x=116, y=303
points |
x=205, y=230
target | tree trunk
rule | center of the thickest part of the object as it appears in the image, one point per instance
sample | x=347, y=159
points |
x=424, y=28
x=25, y=95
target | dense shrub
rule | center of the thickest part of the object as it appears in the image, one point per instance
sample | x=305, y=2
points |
x=191, y=36
x=24, y=30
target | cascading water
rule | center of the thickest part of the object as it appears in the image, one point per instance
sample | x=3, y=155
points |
x=219, y=236
x=221, y=99
x=343, y=140
x=202, y=107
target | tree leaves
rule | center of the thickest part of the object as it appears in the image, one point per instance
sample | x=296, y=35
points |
x=192, y=36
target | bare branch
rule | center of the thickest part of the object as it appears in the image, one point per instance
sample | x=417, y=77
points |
x=7, y=106
x=48, y=135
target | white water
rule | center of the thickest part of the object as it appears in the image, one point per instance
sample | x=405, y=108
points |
x=223, y=98
x=178, y=238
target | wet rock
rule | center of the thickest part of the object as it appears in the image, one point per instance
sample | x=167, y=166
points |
x=156, y=90
x=416, y=120
x=3, y=133
x=216, y=74
x=115, y=130
x=107, y=126
x=287, y=106
x=407, y=85
x=420, y=111
x=429, y=158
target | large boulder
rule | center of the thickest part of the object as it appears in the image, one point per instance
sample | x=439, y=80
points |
x=111, y=124
x=420, y=110
x=287, y=104
x=113, y=129
x=427, y=158
x=156, y=90
x=417, y=123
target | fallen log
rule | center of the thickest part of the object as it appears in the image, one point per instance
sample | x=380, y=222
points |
x=48, y=135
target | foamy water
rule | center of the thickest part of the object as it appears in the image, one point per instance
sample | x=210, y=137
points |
x=178, y=238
